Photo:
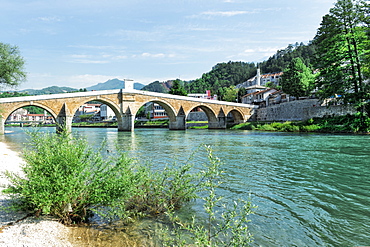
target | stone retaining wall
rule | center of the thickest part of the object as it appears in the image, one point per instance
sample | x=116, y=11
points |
x=301, y=110
x=197, y=116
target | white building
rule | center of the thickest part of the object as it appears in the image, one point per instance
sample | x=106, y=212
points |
x=258, y=97
x=106, y=113
x=207, y=95
x=88, y=109
x=18, y=115
x=261, y=80
x=257, y=92
x=155, y=111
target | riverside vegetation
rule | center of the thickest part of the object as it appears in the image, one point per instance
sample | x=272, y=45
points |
x=66, y=178
x=340, y=124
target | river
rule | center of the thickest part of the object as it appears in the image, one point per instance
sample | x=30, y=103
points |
x=310, y=189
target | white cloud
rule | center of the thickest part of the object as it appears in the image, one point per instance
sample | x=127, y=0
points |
x=50, y=19
x=158, y=55
x=102, y=58
x=261, y=50
x=97, y=47
x=225, y=13
x=78, y=56
x=154, y=55
x=86, y=59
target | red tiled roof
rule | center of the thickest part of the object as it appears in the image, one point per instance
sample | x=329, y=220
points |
x=35, y=115
x=258, y=92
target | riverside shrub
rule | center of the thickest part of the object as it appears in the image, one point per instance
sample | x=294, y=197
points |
x=226, y=223
x=65, y=177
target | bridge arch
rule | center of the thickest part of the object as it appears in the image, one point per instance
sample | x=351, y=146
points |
x=216, y=119
x=237, y=115
x=210, y=113
x=171, y=112
x=115, y=108
x=24, y=104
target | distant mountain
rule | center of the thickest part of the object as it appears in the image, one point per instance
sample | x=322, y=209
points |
x=49, y=90
x=113, y=84
x=108, y=85
x=159, y=87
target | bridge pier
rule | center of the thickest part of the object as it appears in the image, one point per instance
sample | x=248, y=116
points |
x=64, y=120
x=220, y=123
x=178, y=124
x=64, y=123
x=2, y=125
x=127, y=123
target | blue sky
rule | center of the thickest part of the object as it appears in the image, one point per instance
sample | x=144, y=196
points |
x=78, y=43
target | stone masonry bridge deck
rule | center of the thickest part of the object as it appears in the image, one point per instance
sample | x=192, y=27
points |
x=125, y=104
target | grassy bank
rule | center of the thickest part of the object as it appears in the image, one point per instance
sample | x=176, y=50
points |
x=340, y=124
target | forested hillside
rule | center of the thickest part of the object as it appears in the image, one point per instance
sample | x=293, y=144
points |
x=224, y=76
x=159, y=87
x=282, y=58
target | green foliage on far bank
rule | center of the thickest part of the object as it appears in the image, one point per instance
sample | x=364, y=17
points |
x=12, y=94
x=340, y=124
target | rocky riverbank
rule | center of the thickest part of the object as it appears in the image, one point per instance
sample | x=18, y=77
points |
x=15, y=228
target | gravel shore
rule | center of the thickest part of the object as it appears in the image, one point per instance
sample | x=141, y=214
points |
x=30, y=231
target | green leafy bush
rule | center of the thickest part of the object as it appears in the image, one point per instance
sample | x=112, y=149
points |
x=310, y=128
x=348, y=124
x=66, y=178
x=226, y=225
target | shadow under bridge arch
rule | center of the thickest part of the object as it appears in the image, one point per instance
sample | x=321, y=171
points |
x=176, y=117
x=216, y=120
x=235, y=116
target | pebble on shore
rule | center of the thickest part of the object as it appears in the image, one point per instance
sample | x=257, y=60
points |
x=31, y=231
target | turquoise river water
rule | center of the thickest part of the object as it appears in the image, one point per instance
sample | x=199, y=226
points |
x=310, y=189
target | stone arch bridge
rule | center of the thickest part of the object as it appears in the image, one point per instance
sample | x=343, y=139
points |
x=125, y=104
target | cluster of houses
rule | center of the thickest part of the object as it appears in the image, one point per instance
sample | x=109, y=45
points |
x=22, y=115
x=258, y=91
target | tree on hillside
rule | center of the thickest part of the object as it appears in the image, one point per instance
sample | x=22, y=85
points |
x=177, y=88
x=11, y=66
x=230, y=94
x=342, y=55
x=297, y=80
x=241, y=92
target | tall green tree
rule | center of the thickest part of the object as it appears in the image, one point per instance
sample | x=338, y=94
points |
x=11, y=66
x=342, y=44
x=230, y=94
x=297, y=80
x=177, y=88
